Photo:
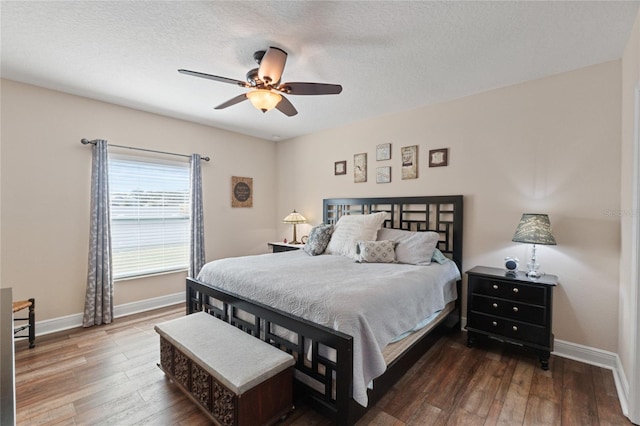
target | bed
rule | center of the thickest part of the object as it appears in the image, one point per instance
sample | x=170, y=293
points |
x=331, y=369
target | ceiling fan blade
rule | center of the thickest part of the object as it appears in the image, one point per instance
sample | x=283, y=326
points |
x=232, y=101
x=286, y=107
x=214, y=77
x=310, y=88
x=272, y=65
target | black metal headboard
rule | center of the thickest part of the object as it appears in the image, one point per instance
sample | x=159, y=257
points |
x=441, y=214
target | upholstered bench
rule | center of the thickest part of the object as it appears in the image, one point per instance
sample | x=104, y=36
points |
x=235, y=378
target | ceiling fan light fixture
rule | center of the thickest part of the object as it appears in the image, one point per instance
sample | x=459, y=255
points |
x=264, y=84
x=263, y=99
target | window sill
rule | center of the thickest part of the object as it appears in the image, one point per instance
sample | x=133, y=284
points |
x=156, y=274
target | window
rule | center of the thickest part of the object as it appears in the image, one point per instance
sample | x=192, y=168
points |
x=149, y=216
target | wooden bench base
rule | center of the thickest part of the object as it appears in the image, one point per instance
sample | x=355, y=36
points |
x=263, y=404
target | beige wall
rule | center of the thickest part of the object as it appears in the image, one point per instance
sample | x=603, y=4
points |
x=549, y=146
x=628, y=288
x=1, y=282
x=45, y=184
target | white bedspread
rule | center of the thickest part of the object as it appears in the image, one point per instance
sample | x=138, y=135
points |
x=373, y=302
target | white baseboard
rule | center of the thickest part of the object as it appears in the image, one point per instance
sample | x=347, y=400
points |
x=75, y=320
x=593, y=356
x=149, y=304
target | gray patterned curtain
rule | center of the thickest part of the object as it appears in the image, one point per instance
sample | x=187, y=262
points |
x=196, y=252
x=98, y=305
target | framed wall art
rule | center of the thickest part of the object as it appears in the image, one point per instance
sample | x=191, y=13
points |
x=409, y=162
x=383, y=152
x=360, y=167
x=383, y=174
x=241, y=191
x=439, y=157
x=340, y=168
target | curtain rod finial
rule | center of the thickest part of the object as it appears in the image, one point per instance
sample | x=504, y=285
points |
x=85, y=141
x=206, y=158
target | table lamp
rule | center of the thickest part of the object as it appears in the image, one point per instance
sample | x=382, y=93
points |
x=534, y=228
x=294, y=218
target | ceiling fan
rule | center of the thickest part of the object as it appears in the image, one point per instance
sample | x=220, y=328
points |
x=265, y=85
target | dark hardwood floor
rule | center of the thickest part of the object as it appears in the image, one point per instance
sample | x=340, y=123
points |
x=107, y=375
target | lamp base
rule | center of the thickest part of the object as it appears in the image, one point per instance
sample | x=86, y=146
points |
x=532, y=270
x=295, y=236
x=532, y=266
x=534, y=274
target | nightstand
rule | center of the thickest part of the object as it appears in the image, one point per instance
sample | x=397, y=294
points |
x=511, y=308
x=281, y=247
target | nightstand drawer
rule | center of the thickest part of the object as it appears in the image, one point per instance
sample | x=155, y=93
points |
x=509, y=309
x=510, y=329
x=527, y=293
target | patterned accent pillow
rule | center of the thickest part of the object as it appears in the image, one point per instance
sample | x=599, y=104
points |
x=376, y=252
x=318, y=239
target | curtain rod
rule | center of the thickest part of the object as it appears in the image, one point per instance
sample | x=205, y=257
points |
x=87, y=141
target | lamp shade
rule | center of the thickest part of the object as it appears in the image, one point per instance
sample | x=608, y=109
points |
x=294, y=217
x=264, y=100
x=534, y=228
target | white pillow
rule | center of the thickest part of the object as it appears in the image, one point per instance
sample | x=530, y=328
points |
x=353, y=228
x=415, y=248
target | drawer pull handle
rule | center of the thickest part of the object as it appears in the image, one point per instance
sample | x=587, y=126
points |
x=493, y=323
x=495, y=305
x=515, y=309
x=515, y=289
x=495, y=286
x=515, y=328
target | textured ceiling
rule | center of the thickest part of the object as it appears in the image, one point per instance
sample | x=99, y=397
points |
x=389, y=56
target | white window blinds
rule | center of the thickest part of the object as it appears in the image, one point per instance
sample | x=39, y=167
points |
x=149, y=216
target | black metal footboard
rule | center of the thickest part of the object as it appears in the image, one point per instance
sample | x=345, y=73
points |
x=325, y=383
